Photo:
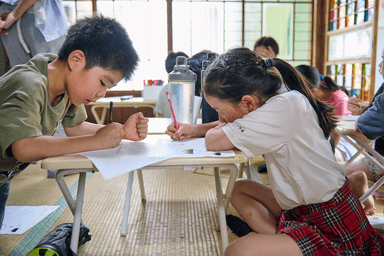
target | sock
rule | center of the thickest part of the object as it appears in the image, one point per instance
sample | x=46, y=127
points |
x=237, y=225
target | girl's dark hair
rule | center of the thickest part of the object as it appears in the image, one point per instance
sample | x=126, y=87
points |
x=316, y=79
x=241, y=71
x=267, y=41
x=104, y=42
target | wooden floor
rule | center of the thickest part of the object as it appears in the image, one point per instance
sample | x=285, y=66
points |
x=179, y=217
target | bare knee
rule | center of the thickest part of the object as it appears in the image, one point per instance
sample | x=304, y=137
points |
x=237, y=188
x=358, y=178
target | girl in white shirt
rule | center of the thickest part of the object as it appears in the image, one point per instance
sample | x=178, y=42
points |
x=309, y=208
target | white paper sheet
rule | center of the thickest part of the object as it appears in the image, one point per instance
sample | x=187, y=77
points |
x=133, y=155
x=18, y=219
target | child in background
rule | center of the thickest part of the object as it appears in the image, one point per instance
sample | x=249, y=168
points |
x=162, y=106
x=96, y=54
x=358, y=180
x=325, y=89
x=309, y=208
x=266, y=47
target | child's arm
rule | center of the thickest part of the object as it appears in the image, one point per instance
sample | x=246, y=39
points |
x=82, y=137
x=371, y=123
x=135, y=128
x=187, y=131
x=215, y=139
x=40, y=147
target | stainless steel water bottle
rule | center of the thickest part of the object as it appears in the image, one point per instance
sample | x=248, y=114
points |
x=182, y=90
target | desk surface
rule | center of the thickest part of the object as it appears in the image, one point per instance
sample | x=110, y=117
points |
x=347, y=125
x=78, y=161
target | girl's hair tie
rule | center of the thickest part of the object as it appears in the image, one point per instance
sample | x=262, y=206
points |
x=268, y=63
x=322, y=77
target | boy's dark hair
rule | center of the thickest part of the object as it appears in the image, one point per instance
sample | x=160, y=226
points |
x=170, y=62
x=267, y=41
x=316, y=79
x=241, y=71
x=195, y=65
x=104, y=42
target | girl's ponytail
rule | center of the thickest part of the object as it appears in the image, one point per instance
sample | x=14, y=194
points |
x=293, y=80
x=329, y=83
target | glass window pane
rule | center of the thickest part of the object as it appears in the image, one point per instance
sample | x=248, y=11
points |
x=278, y=24
x=149, y=39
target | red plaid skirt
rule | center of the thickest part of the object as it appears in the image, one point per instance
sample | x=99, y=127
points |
x=336, y=227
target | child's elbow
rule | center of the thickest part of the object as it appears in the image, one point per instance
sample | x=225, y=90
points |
x=211, y=142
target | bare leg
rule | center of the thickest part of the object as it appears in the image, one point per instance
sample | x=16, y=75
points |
x=256, y=205
x=256, y=244
x=359, y=185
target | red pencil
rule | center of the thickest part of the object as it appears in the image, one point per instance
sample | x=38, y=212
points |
x=173, y=112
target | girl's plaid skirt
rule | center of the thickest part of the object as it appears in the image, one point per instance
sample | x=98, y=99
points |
x=336, y=227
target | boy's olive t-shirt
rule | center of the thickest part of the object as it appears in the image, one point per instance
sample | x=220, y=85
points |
x=25, y=110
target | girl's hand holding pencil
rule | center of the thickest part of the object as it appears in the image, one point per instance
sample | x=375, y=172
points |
x=182, y=132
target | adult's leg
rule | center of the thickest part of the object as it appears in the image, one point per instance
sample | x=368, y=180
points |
x=4, y=192
x=256, y=205
x=259, y=244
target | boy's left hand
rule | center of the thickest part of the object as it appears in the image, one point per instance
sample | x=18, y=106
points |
x=136, y=127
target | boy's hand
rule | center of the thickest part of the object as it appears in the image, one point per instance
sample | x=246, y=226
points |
x=110, y=135
x=353, y=105
x=136, y=127
x=184, y=132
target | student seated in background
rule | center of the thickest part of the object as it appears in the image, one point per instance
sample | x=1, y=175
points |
x=162, y=106
x=358, y=180
x=356, y=107
x=325, y=89
x=51, y=89
x=266, y=47
x=309, y=209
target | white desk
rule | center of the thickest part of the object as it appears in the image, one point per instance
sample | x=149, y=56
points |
x=346, y=129
x=119, y=102
x=78, y=164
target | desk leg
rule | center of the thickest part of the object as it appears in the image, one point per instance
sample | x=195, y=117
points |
x=127, y=204
x=79, y=208
x=64, y=189
x=141, y=185
x=221, y=209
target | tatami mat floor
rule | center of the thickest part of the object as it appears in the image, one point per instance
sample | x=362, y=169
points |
x=179, y=217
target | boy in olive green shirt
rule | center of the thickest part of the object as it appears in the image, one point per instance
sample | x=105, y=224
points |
x=96, y=54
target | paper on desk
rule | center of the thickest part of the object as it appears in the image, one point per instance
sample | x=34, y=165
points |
x=18, y=219
x=133, y=155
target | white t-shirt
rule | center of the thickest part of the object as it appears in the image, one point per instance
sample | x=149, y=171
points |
x=301, y=166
